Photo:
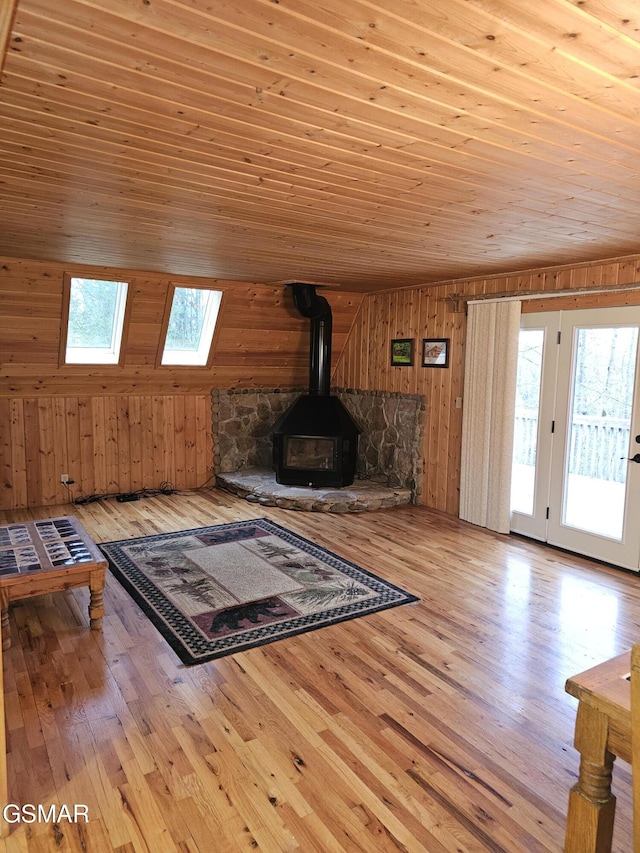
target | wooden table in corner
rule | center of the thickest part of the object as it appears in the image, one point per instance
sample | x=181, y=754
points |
x=38, y=557
x=602, y=733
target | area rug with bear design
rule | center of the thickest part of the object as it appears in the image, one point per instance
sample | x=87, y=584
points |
x=213, y=591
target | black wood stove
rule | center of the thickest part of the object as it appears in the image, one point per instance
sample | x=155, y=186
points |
x=315, y=442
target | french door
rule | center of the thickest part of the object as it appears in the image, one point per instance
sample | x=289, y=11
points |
x=576, y=463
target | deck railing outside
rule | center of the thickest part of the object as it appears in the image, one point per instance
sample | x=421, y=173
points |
x=599, y=446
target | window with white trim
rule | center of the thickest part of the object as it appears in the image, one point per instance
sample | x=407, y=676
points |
x=192, y=322
x=96, y=321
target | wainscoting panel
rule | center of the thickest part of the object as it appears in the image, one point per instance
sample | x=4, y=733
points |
x=108, y=444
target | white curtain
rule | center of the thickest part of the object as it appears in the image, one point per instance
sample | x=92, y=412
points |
x=488, y=415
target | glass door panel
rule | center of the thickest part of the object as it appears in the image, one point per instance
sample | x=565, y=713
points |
x=535, y=393
x=525, y=440
x=599, y=429
x=594, y=491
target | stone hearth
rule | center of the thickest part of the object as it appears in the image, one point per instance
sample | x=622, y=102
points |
x=389, y=465
x=258, y=485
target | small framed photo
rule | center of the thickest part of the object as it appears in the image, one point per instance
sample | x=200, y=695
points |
x=402, y=352
x=435, y=352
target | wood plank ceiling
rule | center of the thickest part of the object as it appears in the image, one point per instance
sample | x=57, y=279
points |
x=362, y=143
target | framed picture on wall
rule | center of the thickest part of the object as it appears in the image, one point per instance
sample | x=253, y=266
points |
x=435, y=352
x=402, y=352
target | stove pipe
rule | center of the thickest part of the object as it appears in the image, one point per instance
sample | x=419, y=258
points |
x=318, y=310
x=315, y=441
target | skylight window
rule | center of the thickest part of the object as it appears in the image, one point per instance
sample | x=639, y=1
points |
x=192, y=322
x=96, y=321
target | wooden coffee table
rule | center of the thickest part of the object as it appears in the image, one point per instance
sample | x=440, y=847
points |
x=38, y=557
x=54, y=554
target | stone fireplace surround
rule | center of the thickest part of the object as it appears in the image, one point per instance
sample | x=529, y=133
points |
x=389, y=468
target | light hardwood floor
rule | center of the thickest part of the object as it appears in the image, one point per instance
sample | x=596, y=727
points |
x=440, y=726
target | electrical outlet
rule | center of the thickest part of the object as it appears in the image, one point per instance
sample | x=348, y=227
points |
x=64, y=479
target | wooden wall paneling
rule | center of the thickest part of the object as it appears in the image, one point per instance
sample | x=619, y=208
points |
x=595, y=275
x=169, y=450
x=123, y=442
x=191, y=436
x=74, y=444
x=111, y=446
x=344, y=368
x=350, y=362
x=31, y=340
x=374, y=342
x=422, y=321
x=354, y=359
x=407, y=306
x=18, y=454
x=85, y=476
x=456, y=368
x=362, y=378
x=376, y=346
x=449, y=394
x=275, y=334
x=363, y=355
x=442, y=403
x=106, y=444
x=352, y=365
x=406, y=321
x=61, y=423
x=148, y=297
x=538, y=280
x=571, y=303
x=32, y=455
x=435, y=417
x=610, y=274
x=238, y=347
x=148, y=446
x=147, y=441
x=99, y=449
x=522, y=282
x=579, y=277
x=361, y=360
x=497, y=285
x=261, y=339
x=6, y=456
x=180, y=438
x=385, y=375
x=168, y=460
x=197, y=475
x=425, y=388
x=628, y=270
x=135, y=442
x=159, y=439
x=204, y=441
x=395, y=330
x=397, y=321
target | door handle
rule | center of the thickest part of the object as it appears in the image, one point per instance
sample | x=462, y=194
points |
x=635, y=458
